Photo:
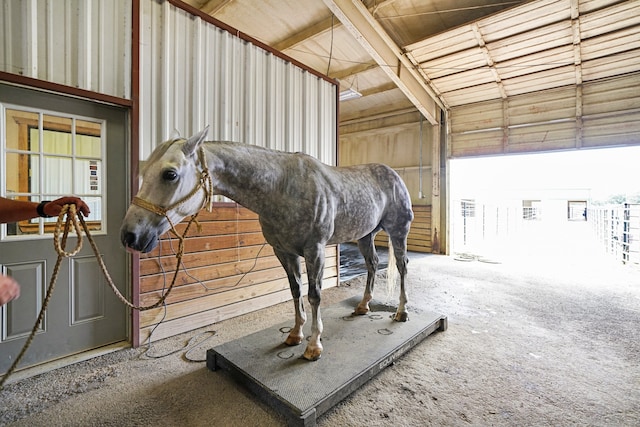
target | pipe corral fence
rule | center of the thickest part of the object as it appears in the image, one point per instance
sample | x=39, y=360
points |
x=487, y=230
x=617, y=228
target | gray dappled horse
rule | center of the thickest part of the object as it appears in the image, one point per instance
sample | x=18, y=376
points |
x=303, y=205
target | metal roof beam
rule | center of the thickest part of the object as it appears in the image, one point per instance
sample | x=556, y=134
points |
x=374, y=39
x=213, y=6
x=309, y=32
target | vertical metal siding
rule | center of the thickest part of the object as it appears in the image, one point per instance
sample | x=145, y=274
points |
x=194, y=74
x=79, y=43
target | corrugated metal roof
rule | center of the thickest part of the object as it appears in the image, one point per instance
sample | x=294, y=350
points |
x=541, y=45
x=486, y=49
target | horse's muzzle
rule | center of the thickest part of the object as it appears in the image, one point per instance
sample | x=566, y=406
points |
x=137, y=242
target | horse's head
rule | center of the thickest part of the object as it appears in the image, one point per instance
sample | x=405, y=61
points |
x=173, y=187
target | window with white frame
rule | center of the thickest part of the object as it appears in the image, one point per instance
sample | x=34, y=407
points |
x=48, y=155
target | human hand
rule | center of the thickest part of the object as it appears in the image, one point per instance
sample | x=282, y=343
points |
x=55, y=207
x=9, y=289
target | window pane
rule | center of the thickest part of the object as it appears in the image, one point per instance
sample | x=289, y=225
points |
x=56, y=142
x=88, y=146
x=23, y=171
x=94, y=220
x=49, y=156
x=88, y=139
x=18, y=126
x=31, y=226
x=58, y=175
x=88, y=177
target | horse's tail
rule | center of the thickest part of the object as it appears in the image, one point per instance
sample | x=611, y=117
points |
x=392, y=272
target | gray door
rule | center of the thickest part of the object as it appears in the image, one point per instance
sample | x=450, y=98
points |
x=54, y=146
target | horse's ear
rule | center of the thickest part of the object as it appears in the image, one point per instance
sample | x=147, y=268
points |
x=194, y=142
x=174, y=135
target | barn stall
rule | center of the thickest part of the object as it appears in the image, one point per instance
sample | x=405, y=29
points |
x=493, y=90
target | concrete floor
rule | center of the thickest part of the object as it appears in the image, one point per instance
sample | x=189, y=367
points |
x=546, y=337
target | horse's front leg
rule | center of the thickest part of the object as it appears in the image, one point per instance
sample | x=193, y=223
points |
x=314, y=259
x=291, y=264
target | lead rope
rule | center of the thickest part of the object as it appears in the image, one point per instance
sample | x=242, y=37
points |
x=59, y=243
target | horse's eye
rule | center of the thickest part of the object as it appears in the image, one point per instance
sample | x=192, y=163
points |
x=169, y=175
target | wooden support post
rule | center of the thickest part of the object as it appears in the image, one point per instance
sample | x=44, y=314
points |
x=436, y=231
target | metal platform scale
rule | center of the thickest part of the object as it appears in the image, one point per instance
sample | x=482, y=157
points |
x=356, y=348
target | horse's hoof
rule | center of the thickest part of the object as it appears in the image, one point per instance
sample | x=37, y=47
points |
x=312, y=354
x=401, y=317
x=293, y=340
x=361, y=311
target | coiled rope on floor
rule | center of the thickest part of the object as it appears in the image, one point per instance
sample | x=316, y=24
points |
x=60, y=234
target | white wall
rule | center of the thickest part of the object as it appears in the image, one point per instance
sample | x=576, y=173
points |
x=79, y=43
x=194, y=74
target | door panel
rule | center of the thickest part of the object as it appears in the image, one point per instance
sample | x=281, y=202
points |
x=72, y=147
x=22, y=312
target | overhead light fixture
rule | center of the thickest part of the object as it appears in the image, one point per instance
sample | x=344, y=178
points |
x=348, y=94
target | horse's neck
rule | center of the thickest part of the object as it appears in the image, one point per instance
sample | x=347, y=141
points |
x=243, y=173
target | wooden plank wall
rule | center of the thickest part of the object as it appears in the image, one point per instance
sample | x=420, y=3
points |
x=419, y=239
x=230, y=271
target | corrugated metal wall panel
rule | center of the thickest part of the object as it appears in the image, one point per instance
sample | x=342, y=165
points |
x=597, y=114
x=84, y=44
x=480, y=93
x=477, y=144
x=477, y=117
x=542, y=107
x=611, y=95
x=600, y=125
x=620, y=129
x=546, y=136
x=195, y=74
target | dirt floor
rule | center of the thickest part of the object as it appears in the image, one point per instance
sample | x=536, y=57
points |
x=532, y=341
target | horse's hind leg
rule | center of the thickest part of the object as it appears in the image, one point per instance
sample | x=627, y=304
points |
x=400, y=253
x=291, y=264
x=368, y=250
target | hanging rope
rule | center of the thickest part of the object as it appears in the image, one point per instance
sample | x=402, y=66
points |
x=59, y=243
x=205, y=184
x=60, y=235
